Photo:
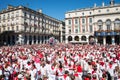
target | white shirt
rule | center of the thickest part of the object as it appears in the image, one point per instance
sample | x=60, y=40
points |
x=33, y=74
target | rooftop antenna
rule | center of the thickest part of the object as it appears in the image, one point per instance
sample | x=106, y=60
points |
x=95, y=4
x=103, y=4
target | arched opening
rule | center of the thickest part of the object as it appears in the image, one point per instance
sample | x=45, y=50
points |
x=100, y=25
x=117, y=39
x=13, y=40
x=108, y=24
x=76, y=38
x=70, y=38
x=34, y=37
x=25, y=39
x=91, y=40
x=8, y=42
x=38, y=39
x=83, y=38
x=108, y=40
x=45, y=39
x=42, y=39
x=117, y=24
x=100, y=39
x=30, y=39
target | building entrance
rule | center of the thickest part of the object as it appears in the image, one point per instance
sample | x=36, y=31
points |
x=108, y=39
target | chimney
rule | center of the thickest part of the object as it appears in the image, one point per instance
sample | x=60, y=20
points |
x=103, y=4
x=112, y=2
x=94, y=5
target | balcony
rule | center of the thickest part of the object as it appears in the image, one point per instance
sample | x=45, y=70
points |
x=107, y=32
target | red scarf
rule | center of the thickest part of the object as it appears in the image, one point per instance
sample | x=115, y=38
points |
x=52, y=67
x=76, y=75
x=65, y=75
x=110, y=65
x=60, y=69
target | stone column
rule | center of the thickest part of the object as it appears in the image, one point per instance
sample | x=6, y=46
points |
x=113, y=40
x=28, y=39
x=36, y=39
x=87, y=40
x=32, y=40
x=66, y=39
x=104, y=40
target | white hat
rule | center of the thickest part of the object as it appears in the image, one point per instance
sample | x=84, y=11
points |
x=20, y=76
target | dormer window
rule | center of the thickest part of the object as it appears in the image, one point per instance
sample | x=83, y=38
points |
x=99, y=10
x=82, y=13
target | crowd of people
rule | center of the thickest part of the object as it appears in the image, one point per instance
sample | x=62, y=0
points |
x=60, y=62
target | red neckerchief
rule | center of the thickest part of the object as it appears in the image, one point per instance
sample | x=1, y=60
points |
x=86, y=79
x=110, y=65
x=60, y=69
x=29, y=64
x=65, y=75
x=53, y=67
x=76, y=75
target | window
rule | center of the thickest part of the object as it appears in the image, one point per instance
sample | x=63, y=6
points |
x=91, y=29
x=76, y=30
x=90, y=12
x=30, y=15
x=117, y=24
x=76, y=21
x=100, y=27
x=12, y=13
x=76, y=38
x=35, y=29
x=83, y=20
x=17, y=28
x=100, y=23
x=82, y=13
x=8, y=28
x=12, y=28
x=30, y=29
x=75, y=13
x=69, y=22
x=116, y=9
x=69, y=14
x=17, y=13
x=99, y=10
x=69, y=26
x=90, y=20
x=108, y=24
x=3, y=17
x=83, y=38
x=69, y=31
x=107, y=10
x=3, y=28
x=83, y=29
x=8, y=16
x=25, y=14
